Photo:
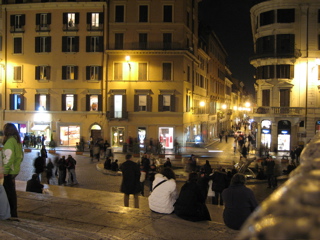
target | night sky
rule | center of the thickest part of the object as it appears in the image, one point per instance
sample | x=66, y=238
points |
x=230, y=20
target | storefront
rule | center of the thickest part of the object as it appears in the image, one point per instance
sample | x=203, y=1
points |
x=266, y=134
x=117, y=136
x=284, y=134
x=69, y=135
x=166, y=137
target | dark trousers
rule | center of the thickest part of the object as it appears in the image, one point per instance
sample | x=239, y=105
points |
x=217, y=199
x=9, y=185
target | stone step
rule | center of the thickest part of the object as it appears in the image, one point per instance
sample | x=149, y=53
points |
x=36, y=230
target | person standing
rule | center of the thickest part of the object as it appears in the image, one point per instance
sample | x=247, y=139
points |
x=71, y=166
x=62, y=166
x=12, y=154
x=219, y=183
x=49, y=169
x=44, y=155
x=270, y=168
x=239, y=202
x=130, y=181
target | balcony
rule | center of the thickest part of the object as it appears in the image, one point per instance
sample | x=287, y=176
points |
x=117, y=115
x=153, y=46
x=279, y=110
x=295, y=54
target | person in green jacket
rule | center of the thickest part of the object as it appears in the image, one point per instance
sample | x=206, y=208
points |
x=12, y=155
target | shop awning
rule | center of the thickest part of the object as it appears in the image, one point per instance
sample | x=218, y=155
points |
x=39, y=127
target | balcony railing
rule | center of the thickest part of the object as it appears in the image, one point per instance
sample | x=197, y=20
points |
x=153, y=46
x=279, y=110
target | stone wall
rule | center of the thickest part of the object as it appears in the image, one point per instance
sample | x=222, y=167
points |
x=293, y=210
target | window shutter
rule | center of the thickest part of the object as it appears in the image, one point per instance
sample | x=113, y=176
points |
x=65, y=18
x=88, y=38
x=99, y=102
x=111, y=110
x=77, y=18
x=76, y=69
x=291, y=71
x=37, y=102
x=75, y=102
x=49, y=18
x=101, y=18
x=173, y=103
x=100, y=44
x=63, y=102
x=64, y=44
x=124, y=106
x=99, y=73
x=64, y=72
x=11, y=101
x=37, y=44
x=22, y=102
x=89, y=14
x=48, y=72
x=37, y=19
x=23, y=20
x=76, y=39
x=48, y=44
x=88, y=72
x=48, y=102
x=149, y=103
x=160, y=103
x=88, y=102
x=12, y=20
x=136, y=103
x=37, y=77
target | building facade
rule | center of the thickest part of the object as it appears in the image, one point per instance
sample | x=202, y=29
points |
x=113, y=70
x=287, y=53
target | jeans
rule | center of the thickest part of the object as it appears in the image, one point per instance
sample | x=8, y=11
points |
x=136, y=200
x=9, y=185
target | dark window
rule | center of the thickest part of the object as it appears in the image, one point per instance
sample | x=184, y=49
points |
x=42, y=102
x=285, y=71
x=118, y=41
x=142, y=102
x=166, y=102
x=265, y=45
x=43, y=21
x=143, y=13
x=17, y=45
x=94, y=44
x=17, y=23
x=70, y=44
x=69, y=72
x=167, y=13
x=284, y=97
x=42, y=44
x=93, y=73
x=265, y=72
x=266, y=18
x=42, y=73
x=94, y=102
x=166, y=71
x=119, y=14
x=167, y=40
x=285, y=15
x=318, y=15
x=285, y=43
x=16, y=102
x=143, y=40
x=266, y=98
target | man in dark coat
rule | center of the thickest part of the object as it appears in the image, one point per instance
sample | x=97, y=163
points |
x=219, y=183
x=130, y=181
x=34, y=185
x=239, y=201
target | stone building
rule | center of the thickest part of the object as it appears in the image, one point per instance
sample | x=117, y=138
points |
x=287, y=61
x=111, y=70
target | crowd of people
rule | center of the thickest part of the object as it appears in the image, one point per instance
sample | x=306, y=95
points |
x=224, y=188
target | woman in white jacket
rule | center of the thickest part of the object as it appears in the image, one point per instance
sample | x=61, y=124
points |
x=164, y=192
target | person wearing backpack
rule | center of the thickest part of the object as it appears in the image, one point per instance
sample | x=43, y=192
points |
x=71, y=166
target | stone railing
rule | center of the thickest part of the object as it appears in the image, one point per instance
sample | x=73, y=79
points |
x=293, y=210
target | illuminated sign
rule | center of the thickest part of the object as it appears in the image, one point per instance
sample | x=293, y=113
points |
x=265, y=131
x=284, y=132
